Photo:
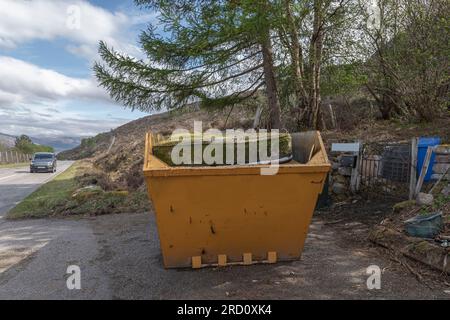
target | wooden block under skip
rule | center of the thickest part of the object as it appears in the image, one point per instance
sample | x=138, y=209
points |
x=247, y=258
x=196, y=262
x=222, y=260
x=272, y=256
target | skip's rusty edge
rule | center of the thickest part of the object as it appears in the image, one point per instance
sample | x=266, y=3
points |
x=228, y=215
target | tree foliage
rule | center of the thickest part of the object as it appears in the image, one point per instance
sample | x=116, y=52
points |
x=215, y=52
x=408, y=50
x=219, y=53
x=25, y=145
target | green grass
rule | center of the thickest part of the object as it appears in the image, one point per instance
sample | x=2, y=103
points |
x=47, y=198
x=14, y=165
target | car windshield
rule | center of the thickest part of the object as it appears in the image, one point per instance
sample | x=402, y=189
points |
x=43, y=156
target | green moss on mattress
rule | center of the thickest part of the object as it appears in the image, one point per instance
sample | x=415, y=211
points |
x=163, y=149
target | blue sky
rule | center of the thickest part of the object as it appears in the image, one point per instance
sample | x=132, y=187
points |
x=47, y=49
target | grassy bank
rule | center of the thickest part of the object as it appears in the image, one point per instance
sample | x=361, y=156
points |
x=14, y=165
x=68, y=194
x=47, y=198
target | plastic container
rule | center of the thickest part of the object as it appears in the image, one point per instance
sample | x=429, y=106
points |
x=423, y=144
x=222, y=215
x=424, y=226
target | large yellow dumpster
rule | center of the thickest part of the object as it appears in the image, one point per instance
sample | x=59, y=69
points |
x=224, y=215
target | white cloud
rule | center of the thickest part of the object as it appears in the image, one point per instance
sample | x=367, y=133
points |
x=43, y=102
x=7, y=98
x=79, y=22
x=38, y=121
x=24, y=82
x=33, y=101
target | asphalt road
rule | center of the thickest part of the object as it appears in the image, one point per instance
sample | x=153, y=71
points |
x=17, y=183
x=119, y=258
x=19, y=240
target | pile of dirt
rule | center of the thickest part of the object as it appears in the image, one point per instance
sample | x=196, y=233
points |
x=97, y=194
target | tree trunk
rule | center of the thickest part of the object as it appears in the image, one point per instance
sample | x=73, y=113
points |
x=315, y=114
x=296, y=56
x=383, y=107
x=271, y=86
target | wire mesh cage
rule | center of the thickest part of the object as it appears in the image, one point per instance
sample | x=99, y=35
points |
x=385, y=167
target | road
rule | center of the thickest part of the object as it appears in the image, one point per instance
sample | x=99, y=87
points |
x=19, y=240
x=119, y=258
x=17, y=183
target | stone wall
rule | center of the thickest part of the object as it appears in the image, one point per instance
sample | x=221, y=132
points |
x=339, y=177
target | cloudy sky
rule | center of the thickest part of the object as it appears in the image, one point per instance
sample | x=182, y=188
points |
x=47, y=48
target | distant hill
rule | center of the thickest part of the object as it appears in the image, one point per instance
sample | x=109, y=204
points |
x=58, y=143
x=7, y=140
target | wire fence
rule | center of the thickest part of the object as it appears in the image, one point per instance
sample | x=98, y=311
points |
x=12, y=156
x=385, y=168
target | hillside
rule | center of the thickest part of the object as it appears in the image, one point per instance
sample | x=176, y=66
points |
x=7, y=140
x=123, y=163
x=110, y=177
x=57, y=143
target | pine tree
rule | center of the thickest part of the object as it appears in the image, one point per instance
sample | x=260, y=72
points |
x=215, y=52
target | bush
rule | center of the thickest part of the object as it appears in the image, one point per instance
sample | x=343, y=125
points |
x=25, y=145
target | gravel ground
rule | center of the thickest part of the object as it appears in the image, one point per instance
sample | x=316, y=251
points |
x=119, y=257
